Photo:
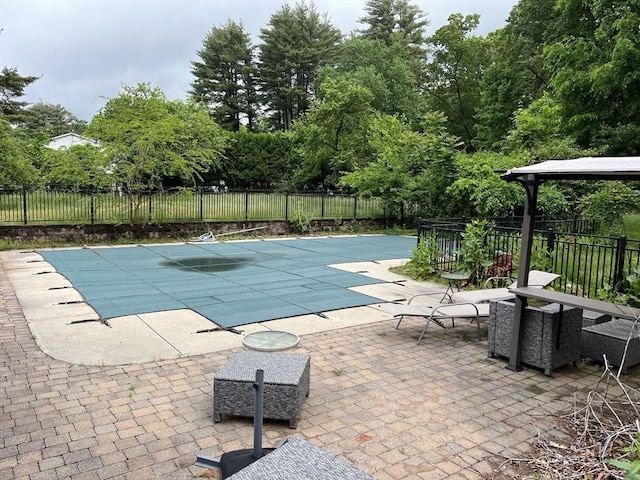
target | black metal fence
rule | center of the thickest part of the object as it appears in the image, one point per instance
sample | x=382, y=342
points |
x=587, y=263
x=49, y=206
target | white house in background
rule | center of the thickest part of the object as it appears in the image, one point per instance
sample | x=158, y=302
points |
x=67, y=140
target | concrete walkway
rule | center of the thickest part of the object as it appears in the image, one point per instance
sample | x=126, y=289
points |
x=379, y=401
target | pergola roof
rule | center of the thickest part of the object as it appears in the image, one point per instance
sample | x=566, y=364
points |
x=586, y=168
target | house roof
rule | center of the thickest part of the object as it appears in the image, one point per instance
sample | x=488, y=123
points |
x=71, y=138
x=586, y=168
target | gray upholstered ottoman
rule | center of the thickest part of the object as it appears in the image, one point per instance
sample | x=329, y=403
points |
x=609, y=339
x=286, y=384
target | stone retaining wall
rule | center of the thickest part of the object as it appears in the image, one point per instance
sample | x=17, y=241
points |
x=179, y=231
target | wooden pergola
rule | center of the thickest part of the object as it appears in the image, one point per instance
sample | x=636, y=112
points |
x=531, y=177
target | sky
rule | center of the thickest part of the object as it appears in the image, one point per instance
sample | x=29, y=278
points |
x=84, y=51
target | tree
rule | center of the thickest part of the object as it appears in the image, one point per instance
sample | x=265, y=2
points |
x=297, y=42
x=395, y=21
x=538, y=134
x=406, y=166
x=258, y=160
x=225, y=76
x=388, y=72
x=17, y=169
x=594, y=73
x=149, y=139
x=608, y=204
x=515, y=75
x=454, y=74
x=478, y=189
x=79, y=167
x=396, y=167
x=12, y=86
x=332, y=137
x=51, y=120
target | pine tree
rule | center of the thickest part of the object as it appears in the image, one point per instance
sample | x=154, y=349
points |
x=395, y=20
x=12, y=86
x=295, y=44
x=224, y=78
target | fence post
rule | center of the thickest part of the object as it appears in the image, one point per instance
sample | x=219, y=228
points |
x=93, y=209
x=551, y=240
x=246, y=205
x=322, y=205
x=150, y=206
x=286, y=206
x=24, y=204
x=618, y=275
x=355, y=208
x=201, y=204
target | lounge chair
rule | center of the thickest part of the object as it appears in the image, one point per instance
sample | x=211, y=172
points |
x=437, y=313
x=472, y=304
x=537, y=278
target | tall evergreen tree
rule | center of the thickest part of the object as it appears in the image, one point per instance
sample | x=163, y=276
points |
x=12, y=86
x=395, y=20
x=296, y=43
x=49, y=119
x=224, y=76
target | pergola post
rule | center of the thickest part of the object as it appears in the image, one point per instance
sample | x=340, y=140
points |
x=530, y=184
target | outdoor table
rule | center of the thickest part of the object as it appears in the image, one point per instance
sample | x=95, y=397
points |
x=454, y=279
x=270, y=341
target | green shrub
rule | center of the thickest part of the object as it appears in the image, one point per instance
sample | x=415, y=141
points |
x=300, y=222
x=424, y=259
x=473, y=250
x=632, y=464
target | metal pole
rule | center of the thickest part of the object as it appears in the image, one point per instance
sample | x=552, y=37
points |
x=258, y=414
x=531, y=189
x=24, y=204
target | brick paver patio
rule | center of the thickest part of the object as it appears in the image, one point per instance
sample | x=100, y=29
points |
x=379, y=401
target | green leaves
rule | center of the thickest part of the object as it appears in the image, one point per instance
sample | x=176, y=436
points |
x=594, y=72
x=333, y=136
x=17, y=169
x=454, y=72
x=148, y=138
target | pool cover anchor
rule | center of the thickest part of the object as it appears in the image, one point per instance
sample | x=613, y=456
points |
x=104, y=321
x=220, y=329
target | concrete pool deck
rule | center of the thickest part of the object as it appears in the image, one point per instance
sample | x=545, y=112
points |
x=68, y=329
x=379, y=401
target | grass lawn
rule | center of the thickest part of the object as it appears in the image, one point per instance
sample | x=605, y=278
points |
x=631, y=226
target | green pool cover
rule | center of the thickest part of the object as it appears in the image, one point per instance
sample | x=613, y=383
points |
x=232, y=283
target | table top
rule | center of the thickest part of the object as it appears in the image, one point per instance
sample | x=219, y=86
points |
x=455, y=275
x=270, y=341
x=279, y=368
